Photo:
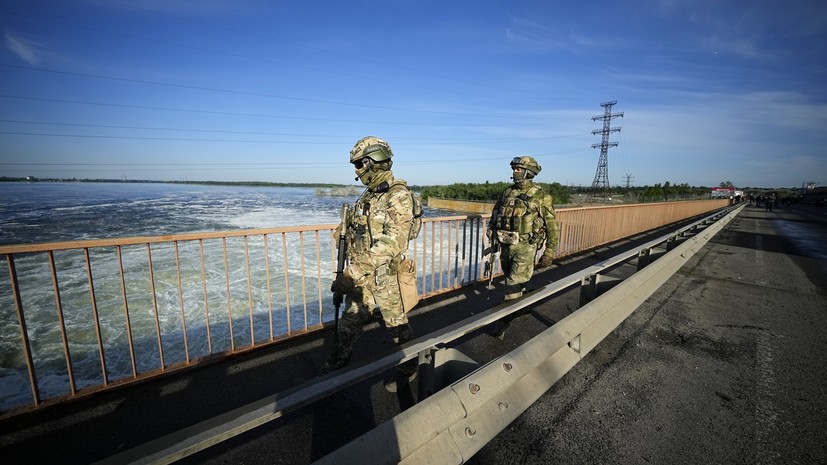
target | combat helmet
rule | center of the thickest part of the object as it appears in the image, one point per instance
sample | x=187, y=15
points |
x=372, y=147
x=527, y=163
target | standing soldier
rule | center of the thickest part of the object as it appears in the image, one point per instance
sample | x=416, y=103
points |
x=377, y=231
x=522, y=221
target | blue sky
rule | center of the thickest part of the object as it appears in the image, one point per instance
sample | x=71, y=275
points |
x=279, y=91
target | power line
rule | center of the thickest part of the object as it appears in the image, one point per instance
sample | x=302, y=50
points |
x=236, y=164
x=254, y=94
x=231, y=113
x=238, y=55
x=261, y=141
x=242, y=92
x=360, y=58
x=209, y=112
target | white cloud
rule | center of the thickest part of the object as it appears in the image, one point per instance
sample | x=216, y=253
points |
x=30, y=52
x=536, y=37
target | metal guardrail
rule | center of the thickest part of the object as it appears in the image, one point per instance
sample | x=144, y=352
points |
x=452, y=424
x=456, y=422
x=101, y=313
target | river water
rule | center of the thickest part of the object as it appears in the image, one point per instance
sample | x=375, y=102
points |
x=54, y=212
x=51, y=212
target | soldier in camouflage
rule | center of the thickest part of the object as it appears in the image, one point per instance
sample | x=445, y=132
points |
x=376, y=232
x=522, y=221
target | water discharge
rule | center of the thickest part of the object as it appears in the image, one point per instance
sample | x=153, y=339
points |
x=54, y=212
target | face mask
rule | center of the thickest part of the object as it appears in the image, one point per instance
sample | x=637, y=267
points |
x=364, y=170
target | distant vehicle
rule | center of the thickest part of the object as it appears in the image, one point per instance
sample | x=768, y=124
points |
x=724, y=193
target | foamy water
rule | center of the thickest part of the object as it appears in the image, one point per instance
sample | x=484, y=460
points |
x=54, y=212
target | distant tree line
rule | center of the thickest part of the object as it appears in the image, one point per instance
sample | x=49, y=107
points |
x=483, y=192
x=661, y=192
x=487, y=191
x=563, y=194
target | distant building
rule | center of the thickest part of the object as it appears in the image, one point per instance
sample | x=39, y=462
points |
x=723, y=192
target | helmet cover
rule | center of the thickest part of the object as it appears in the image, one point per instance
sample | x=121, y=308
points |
x=372, y=147
x=526, y=163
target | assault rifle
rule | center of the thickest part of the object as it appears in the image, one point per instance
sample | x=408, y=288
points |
x=491, y=251
x=340, y=268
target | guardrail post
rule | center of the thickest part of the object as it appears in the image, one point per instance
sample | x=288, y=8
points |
x=441, y=367
x=593, y=285
x=671, y=242
x=644, y=257
x=588, y=289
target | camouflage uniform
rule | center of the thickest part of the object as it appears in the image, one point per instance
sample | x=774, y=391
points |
x=527, y=211
x=377, y=234
x=522, y=221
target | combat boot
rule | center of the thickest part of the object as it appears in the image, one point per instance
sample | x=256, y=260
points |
x=402, y=377
x=406, y=372
x=342, y=349
x=328, y=367
x=498, y=330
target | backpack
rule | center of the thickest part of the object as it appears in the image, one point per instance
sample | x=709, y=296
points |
x=416, y=224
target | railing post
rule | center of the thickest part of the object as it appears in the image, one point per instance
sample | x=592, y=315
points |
x=24, y=333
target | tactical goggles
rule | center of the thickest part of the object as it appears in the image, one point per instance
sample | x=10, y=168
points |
x=517, y=163
x=361, y=163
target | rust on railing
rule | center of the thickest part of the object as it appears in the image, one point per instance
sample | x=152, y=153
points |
x=219, y=289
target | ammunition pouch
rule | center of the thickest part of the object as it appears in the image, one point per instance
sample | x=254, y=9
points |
x=508, y=237
x=406, y=276
x=381, y=276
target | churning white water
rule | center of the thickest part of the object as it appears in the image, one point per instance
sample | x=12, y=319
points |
x=54, y=212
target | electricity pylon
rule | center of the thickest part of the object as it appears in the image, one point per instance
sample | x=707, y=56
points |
x=600, y=185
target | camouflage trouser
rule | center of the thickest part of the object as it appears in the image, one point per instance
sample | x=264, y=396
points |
x=381, y=291
x=517, y=262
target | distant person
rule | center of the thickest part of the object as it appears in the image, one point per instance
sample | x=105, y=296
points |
x=377, y=231
x=522, y=221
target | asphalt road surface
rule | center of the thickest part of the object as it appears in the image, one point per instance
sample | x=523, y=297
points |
x=724, y=364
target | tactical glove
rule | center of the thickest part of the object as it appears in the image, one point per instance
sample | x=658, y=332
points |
x=335, y=235
x=343, y=284
x=545, y=262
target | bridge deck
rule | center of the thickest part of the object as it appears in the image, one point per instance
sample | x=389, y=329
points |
x=724, y=364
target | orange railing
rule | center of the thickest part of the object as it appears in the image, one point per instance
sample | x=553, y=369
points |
x=98, y=313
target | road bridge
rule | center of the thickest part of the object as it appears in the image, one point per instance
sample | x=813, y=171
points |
x=723, y=364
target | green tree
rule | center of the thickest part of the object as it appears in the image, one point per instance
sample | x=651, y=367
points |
x=488, y=192
x=667, y=190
